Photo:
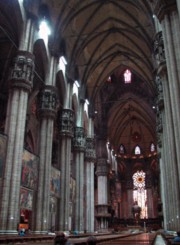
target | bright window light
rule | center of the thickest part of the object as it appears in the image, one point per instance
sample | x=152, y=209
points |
x=77, y=83
x=75, y=89
x=63, y=60
x=87, y=101
x=62, y=63
x=44, y=30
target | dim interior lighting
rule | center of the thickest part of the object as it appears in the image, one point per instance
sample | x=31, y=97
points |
x=154, y=107
x=11, y=217
x=154, y=16
x=95, y=112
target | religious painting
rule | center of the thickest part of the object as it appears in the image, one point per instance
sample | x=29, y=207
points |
x=26, y=198
x=55, y=182
x=29, y=173
x=72, y=189
x=3, y=139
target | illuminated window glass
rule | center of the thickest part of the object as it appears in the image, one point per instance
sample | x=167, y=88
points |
x=140, y=193
x=137, y=150
x=109, y=79
x=152, y=147
x=121, y=149
x=127, y=76
x=139, y=180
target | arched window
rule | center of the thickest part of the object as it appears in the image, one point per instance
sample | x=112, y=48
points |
x=127, y=76
x=152, y=147
x=122, y=149
x=139, y=192
x=137, y=150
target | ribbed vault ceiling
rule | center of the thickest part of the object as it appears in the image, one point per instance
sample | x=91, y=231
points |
x=101, y=38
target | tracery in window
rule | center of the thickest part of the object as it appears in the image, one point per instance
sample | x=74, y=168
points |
x=127, y=76
x=140, y=193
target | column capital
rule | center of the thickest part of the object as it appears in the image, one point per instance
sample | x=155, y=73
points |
x=47, y=101
x=79, y=139
x=66, y=124
x=90, y=152
x=158, y=49
x=159, y=140
x=102, y=167
x=159, y=125
x=22, y=73
x=163, y=7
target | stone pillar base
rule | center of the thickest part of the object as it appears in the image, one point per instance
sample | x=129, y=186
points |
x=102, y=217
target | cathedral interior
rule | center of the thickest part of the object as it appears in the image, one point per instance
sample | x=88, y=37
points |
x=89, y=114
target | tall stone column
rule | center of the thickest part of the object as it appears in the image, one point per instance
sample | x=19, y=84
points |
x=79, y=148
x=90, y=157
x=66, y=133
x=20, y=84
x=47, y=114
x=165, y=115
x=102, y=171
x=102, y=207
x=168, y=16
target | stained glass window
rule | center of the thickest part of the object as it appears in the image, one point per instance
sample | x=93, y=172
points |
x=137, y=150
x=127, y=76
x=140, y=193
x=121, y=149
x=152, y=147
x=139, y=180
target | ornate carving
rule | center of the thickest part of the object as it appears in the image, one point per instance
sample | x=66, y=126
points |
x=23, y=71
x=159, y=52
x=159, y=141
x=79, y=139
x=162, y=7
x=90, y=152
x=160, y=99
x=102, y=167
x=159, y=126
x=67, y=122
x=47, y=102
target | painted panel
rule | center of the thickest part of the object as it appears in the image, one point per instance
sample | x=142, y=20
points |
x=26, y=198
x=29, y=174
x=55, y=182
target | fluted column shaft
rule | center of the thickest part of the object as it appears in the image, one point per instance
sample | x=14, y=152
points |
x=169, y=27
x=47, y=114
x=167, y=12
x=66, y=134
x=20, y=84
x=170, y=161
x=79, y=148
x=90, y=156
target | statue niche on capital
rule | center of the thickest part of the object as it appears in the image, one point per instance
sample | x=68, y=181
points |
x=136, y=211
